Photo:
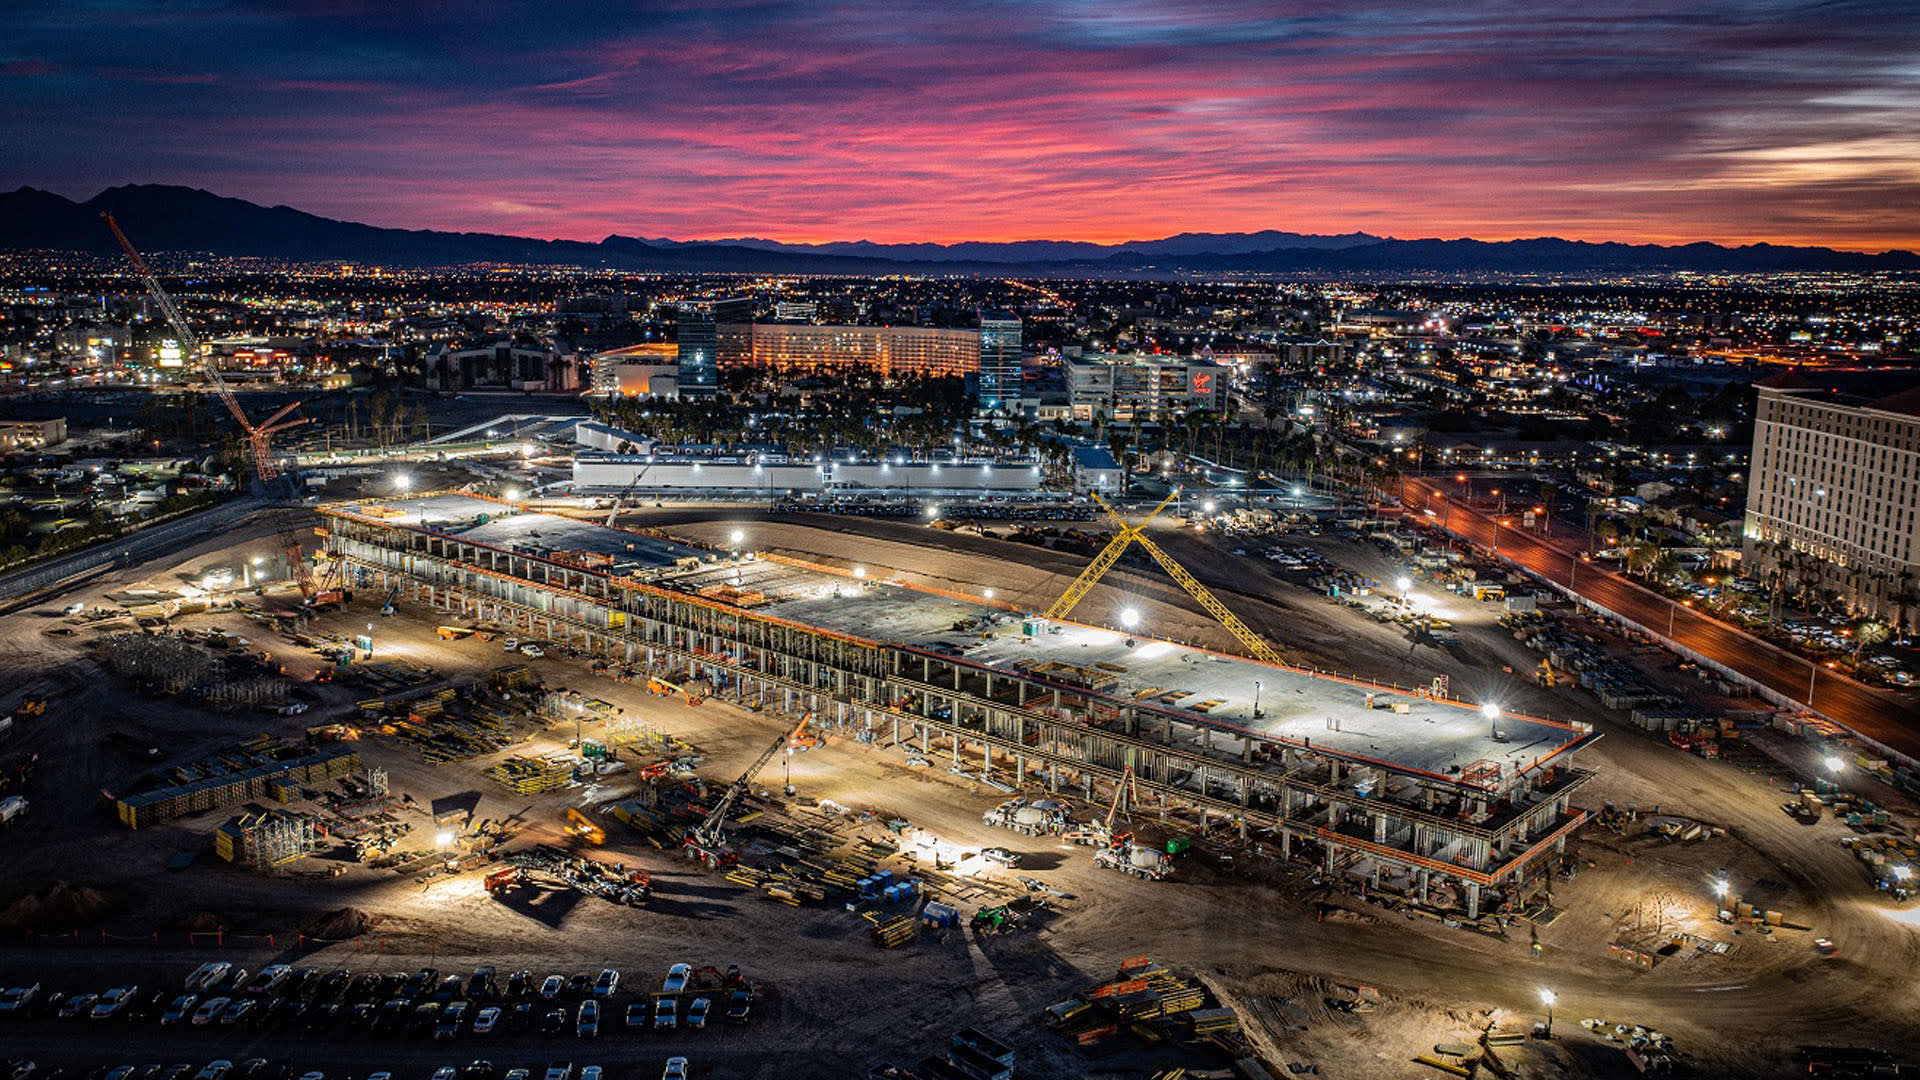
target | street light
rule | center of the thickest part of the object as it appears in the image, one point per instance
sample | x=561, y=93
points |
x=1547, y=998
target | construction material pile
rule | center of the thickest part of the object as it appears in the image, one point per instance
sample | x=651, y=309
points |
x=1155, y=1005
x=205, y=665
x=531, y=776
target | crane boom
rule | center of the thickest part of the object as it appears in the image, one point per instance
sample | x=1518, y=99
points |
x=257, y=435
x=1130, y=534
x=708, y=831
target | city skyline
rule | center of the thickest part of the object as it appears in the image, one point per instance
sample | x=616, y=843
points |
x=1732, y=123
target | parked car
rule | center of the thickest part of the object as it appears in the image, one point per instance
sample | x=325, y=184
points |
x=236, y=1012
x=554, y=1023
x=607, y=983
x=215, y=1070
x=676, y=1069
x=739, y=1006
x=588, y=1025
x=179, y=1009
x=17, y=999
x=637, y=1014
x=112, y=1002
x=208, y=975
x=697, y=1012
x=677, y=977
x=1002, y=856
x=451, y=1018
x=210, y=1010
x=534, y=651
x=664, y=1014
x=552, y=987
x=77, y=1006
x=559, y=1070
x=486, y=1020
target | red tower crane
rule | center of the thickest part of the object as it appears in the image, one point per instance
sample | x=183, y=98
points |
x=257, y=434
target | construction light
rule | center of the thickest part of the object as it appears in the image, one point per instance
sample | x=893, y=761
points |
x=1207, y=506
x=1721, y=888
x=443, y=839
x=988, y=593
x=860, y=571
x=736, y=537
x=403, y=482
x=1835, y=764
x=1902, y=873
x=1490, y=710
x=513, y=494
x=1403, y=583
x=1130, y=618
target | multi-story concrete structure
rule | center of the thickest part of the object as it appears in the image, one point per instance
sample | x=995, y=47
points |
x=740, y=476
x=999, y=359
x=711, y=334
x=503, y=364
x=1833, y=491
x=1129, y=387
x=1454, y=806
x=889, y=350
x=32, y=434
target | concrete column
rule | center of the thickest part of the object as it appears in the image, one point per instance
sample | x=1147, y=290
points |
x=1473, y=900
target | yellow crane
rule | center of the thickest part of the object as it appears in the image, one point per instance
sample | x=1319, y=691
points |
x=1131, y=534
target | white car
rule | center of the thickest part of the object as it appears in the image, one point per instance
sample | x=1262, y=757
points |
x=74, y=609
x=677, y=977
x=208, y=975
x=486, y=1019
x=551, y=987
x=512, y=644
x=112, y=1002
x=607, y=983
x=534, y=651
x=676, y=1069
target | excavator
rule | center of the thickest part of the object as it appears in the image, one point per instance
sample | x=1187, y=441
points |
x=707, y=841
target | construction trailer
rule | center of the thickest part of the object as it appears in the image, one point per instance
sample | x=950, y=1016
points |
x=1406, y=790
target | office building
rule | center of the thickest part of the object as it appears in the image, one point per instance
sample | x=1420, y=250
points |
x=1136, y=387
x=999, y=359
x=1833, y=491
x=713, y=334
x=646, y=370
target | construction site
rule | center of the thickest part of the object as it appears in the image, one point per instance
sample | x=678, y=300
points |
x=1459, y=805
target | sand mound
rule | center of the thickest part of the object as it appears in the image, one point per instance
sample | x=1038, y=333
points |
x=340, y=925
x=61, y=905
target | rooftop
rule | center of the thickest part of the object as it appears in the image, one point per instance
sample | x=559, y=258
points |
x=1431, y=739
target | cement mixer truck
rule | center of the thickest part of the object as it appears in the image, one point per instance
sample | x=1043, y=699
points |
x=1130, y=857
x=1038, y=817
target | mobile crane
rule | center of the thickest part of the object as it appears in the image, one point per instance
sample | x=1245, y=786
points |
x=707, y=841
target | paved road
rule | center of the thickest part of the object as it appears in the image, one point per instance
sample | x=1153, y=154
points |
x=1879, y=716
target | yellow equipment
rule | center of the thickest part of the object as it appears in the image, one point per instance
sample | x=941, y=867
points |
x=582, y=826
x=1132, y=534
x=1545, y=675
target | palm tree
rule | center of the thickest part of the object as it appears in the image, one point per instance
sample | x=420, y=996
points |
x=1867, y=633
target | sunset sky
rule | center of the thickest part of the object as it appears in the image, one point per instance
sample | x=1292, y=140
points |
x=1099, y=120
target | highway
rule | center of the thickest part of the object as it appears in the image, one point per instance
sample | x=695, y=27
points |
x=1877, y=715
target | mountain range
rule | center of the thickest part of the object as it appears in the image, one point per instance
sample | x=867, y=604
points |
x=163, y=218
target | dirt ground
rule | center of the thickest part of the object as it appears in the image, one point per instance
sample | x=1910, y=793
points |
x=1265, y=935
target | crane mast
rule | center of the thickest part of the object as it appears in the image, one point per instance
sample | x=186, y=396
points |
x=258, y=435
